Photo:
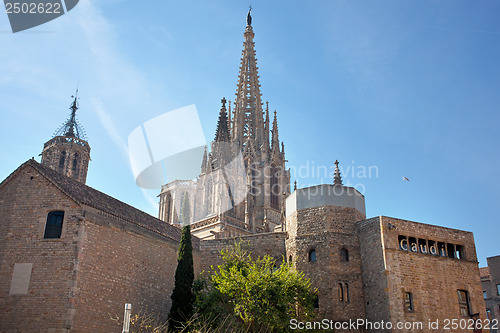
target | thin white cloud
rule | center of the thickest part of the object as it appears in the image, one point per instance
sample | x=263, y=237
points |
x=109, y=125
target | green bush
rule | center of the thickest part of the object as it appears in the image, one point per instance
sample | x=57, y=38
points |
x=253, y=295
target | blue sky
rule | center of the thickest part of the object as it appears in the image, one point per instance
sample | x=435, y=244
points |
x=408, y=88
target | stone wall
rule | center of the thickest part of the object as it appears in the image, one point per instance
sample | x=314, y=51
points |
x=25, y=201
x=327, y=230
x=493, y=298
x=375, y=281
x=81, y=281
x=272, y=243
x=433, y=280
x=118, y=267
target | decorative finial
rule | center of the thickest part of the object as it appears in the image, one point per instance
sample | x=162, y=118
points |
x=249, y=16
x=73, y=109
x=71, y=127
x=295, y=185
x=223, y=101
x=74, y=106
x=337, y=180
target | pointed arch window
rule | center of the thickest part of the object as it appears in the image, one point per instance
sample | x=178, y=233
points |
x=74, y=167
x=53, y=226
x=62, y=160
x=275, y=188
x=312, y=255
x=343, y=292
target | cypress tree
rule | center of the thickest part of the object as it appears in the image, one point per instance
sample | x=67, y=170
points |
x=182, y=295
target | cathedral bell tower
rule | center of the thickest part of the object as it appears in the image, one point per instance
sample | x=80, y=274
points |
x=68, y=152
x=243, y=180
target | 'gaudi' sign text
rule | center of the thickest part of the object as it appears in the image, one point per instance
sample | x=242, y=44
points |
x=424, y=246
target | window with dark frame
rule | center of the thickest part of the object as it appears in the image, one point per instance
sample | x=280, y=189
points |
x=432, y=248
x=459, y=252
x=409, y=302
x=451, y=250
x=312, y=255
x=442, y=249
x=53, y=226
x=463, y=302
x=61, y=161
x=498, y=289
x=75, y=164
x=412, y=244
x=344, y=255
x=485, y=294
x=422, y=246
x=403, y=243
x=341, y=293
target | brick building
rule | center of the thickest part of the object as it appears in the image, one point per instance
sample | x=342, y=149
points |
x=71, y=256
x=490, y=280
x=382, y=269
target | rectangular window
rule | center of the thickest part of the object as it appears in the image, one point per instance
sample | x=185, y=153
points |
x=488, y=314
x=459, y=252
x=442, y=249
x=463, y=303
x=498, y=289
x=409, y=302
x=485, y=295
x=403, y=243
x=422, y=246
x=53, y=227
x=412, y=243
x=451, y=250
x=433, y=248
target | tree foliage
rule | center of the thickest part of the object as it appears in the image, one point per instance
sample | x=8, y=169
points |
x=182, y=295
x=185, y=210
x=258, y=294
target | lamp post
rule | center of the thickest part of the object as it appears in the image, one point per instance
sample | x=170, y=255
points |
x=126, y=318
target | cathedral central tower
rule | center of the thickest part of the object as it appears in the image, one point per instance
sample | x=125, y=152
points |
x=220, y=209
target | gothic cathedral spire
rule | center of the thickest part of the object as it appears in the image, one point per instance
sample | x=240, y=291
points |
x=275, y=141
x=222, y=132
x=243, y=180
x=68, y=152
x=248, y=122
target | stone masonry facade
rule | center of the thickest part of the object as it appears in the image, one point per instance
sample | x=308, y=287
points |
x=490, y=280
x=432, y=279
x=80, y=281
x=329, y=230
x=71, y=256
